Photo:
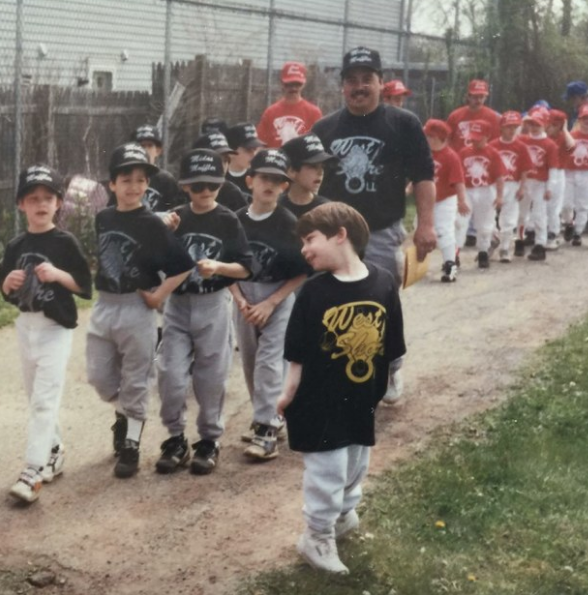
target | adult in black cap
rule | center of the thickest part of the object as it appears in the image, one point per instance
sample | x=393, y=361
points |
x=577, y=94
x=380, y=148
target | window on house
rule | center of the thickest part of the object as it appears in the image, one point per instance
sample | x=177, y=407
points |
x=102, y=80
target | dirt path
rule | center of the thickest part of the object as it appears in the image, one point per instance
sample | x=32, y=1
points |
x=202, y=535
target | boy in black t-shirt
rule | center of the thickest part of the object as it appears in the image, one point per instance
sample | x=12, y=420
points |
x=41, y=270
x=134, y=247
x=345, y=329
x=197, y=317
x=263, y=304
x=244, y=141
x=307, y=158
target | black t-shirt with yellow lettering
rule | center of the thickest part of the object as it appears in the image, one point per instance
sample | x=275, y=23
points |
x=344, y=334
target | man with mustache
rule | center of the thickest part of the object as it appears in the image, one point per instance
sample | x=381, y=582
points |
x=380, y=148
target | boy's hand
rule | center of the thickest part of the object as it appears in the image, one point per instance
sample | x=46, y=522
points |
x=283, y=402
x=207, y=268
x=259, y=313
x=171, y=220
x=498, y=202
x=520, y=193
x=47, y=273
x=14, y=280
x=547, y=195
x=463, y=209
x=151, y=299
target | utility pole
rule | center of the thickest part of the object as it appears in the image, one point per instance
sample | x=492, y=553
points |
x=407, y=35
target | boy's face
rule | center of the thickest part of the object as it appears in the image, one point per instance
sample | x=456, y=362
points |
x=309, y=177
x=202, y=196
x=435, y=143
x=153, y=150
x=535, y=129
x=243, y=158
x=583, y=122
x=553, y=129
x=508, y=132
x=129, y=188
x=266, y=188
x=320, y=251
x=395, y=100
x=39, y=206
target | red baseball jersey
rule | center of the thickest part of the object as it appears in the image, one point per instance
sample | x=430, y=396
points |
x=577, y=158
x=448, y=172
x=543, y=153
x=283, y=121
x=481, y=166
x=515, y=157
x=459, y=121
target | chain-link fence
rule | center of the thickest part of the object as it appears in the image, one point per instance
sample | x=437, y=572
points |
x=77, y=77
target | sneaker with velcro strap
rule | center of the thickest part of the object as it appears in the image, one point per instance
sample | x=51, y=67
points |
x=264, y=444
x=320, y=551
x=279, y=422
x=174, y=454
x=54, y=466
x=128, y=460
x=205, y=457
x=28, y=485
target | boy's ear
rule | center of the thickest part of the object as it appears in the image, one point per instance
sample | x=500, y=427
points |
x=291, y=172
x=111, y=185
x=341, y=235
x=249, y=181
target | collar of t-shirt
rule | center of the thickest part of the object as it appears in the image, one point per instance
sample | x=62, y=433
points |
x=351, y=278
x=256, y=217
x=238, y=174
x=540, y=136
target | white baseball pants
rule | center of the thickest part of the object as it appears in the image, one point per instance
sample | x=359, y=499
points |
x=576, y=199
x=535, y=200
x=445, y=213
x=509, y=213
x=554, y=205
x=483, y=214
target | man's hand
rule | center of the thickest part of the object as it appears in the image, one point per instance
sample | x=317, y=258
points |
x=425, y=240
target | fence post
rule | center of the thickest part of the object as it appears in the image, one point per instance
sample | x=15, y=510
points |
x=18, y=55
x=196, y=114
x=247, y=88
x=166, y=82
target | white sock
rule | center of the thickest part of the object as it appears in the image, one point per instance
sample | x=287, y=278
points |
x=134, y=429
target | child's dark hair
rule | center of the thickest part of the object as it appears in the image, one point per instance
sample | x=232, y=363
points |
x=127, y=169
x=330, y=217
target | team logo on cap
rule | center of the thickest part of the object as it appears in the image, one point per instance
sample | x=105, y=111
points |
x=313, y=144
x=145, y=132
x=38, y=175
x=273, y=156
x=134, y=152
x=202, y=164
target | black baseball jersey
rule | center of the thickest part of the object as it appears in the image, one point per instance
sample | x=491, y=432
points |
x=344, y=334
x=239, y=181
x=133, y=248
x=162, y=195
x=275, y=246
x=62, y=250
x=216, y=235
x=299, y=210
x=231, y=196
x=377, y=153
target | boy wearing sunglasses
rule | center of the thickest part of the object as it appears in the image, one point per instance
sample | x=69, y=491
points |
x=196, y=336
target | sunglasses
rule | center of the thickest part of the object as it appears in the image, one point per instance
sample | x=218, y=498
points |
x=198, y=187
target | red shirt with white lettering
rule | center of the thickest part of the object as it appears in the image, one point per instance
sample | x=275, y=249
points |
x=448, y=172
x=459, y=121
x=481, y=166
x=577, y=158
x=282, y=121
x=543, y=153
x=515, y=157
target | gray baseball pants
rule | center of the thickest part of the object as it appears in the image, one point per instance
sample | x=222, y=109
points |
x=120, y=349
x=384, y=249
x=262, y=350
x=195, y=328
x=331, y=484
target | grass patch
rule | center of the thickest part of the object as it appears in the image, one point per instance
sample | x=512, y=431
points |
x=499, y=507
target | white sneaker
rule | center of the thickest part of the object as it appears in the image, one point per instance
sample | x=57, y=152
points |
x=552, y=243
x=55, y=465
x=278, y=422
x=28, y=486
x=504, y=256
x=346, y=523
x=395, y=388
x=320, y=551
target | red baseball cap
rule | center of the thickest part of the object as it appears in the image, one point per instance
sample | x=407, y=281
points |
x=557, y=116
x=539, y=115
x=511, y=118
x=478, y=87
x=583, y=111
x=293, y=72
x=437, y=128
x=395, y=88
x=478, y=130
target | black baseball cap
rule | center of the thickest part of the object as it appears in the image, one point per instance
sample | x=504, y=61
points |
x=270, y=161
x=39, y=175
x=214, y=124
x=243, y=134
x=362, y=57
x=147, y=132
x=215, y=141
x=201, y=165
x=130, y=155
x=307, y=148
